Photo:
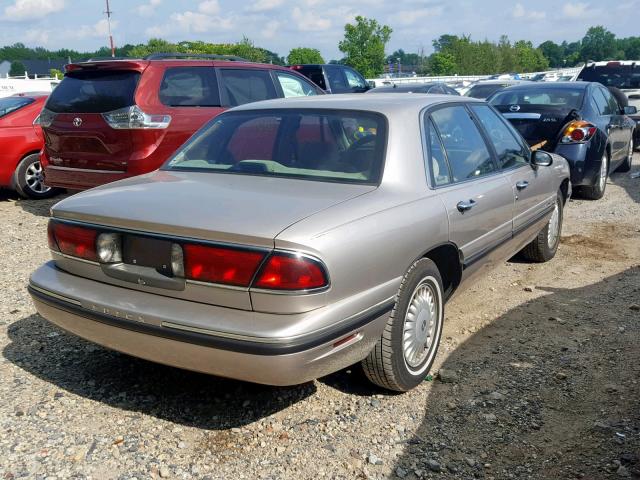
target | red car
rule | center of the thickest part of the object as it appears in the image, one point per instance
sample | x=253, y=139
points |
x=20, y=144
x=112, y=119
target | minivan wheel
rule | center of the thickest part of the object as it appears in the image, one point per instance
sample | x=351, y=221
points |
x=626, y=165
x=596, y=192
x=407, y=348
x=29, y=179
x=545, y=245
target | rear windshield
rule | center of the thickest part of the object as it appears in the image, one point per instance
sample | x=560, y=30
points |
x=622, y=76
x=327, y=145
x=11, y=104
x=553, y=97
x=484, y=91
x=94, y=92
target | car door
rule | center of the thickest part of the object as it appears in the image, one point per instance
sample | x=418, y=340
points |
x=623, y=131
x=607, y=105
x=530, y=186
x=477, y=197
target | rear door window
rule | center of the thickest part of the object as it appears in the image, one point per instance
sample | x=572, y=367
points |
x=601, y=102
x=293, y=86
x=612, y=104
x=189, y=87
x=510, y=152
x=465, y=148
x=247, y=85
x=94, y=92
x=336, y=78
x=439, y=165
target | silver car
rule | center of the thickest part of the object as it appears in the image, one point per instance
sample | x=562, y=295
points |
x=291, y=238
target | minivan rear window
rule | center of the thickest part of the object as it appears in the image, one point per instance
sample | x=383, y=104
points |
x=11, y=104
x=94, y=92
x=325, y=145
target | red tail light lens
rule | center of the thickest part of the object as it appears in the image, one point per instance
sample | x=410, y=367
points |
x=51, y=238
x=578, y=131
x=73, y=240
x=291, y=272
x=220, y=265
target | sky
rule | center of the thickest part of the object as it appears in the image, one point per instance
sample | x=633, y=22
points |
x=280, y=25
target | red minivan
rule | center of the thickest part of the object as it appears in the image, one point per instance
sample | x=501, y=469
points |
x=113, y=119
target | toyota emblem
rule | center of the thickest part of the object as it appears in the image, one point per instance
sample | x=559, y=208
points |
x=514, y=108
x=77, y=122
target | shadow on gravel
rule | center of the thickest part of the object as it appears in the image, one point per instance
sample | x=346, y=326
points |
x=549, y=390
x=34, y=207
x=132, y=384
x=631, y=185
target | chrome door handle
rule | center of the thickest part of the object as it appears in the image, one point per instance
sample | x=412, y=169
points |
x=464, y=206
x=522, y=185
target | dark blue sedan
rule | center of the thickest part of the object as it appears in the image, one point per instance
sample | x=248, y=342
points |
x=582, y=121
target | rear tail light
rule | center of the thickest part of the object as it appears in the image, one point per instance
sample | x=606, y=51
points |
x=220, y=265
x=109, y=247
x=45, y=118
x=291, y=272
x=73, y=240
x=578, y=131
x=132, y=118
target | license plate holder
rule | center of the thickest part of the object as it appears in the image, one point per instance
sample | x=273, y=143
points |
x=147, y=252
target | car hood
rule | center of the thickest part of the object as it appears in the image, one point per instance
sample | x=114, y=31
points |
x=221, y=207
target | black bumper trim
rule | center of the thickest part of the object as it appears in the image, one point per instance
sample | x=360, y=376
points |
x=221, y=343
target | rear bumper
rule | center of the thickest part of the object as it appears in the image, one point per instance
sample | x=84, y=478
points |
x=79, y=178
x=584, y=162
x=139, y=330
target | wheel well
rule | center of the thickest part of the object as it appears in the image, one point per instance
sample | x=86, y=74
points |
x=447, y=259
x=564, y=188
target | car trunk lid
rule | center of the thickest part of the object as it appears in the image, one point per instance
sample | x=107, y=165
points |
x=539, y=123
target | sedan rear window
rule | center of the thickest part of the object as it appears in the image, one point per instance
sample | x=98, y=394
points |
x=327, y=145
x=11, y=104
x=560, y=97
x=94, y=92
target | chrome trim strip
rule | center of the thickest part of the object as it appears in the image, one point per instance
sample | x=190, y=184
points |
x=55, y=295
x=522, y=116
x=87, y=170
x=218, y=285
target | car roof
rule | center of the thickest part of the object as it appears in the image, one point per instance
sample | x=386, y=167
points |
x=34, y=95
x=551, y=85
x=607, y=62
x=500, y=82
x=405, y=86
x=383, y=103
x=141, y=64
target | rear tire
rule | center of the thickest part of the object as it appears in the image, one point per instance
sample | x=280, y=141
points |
x=545, y=245
x=596, y=192
x=626, y=165
x=407, y=348
x=29, y=181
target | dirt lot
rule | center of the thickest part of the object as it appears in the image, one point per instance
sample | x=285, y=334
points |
x=540, y=372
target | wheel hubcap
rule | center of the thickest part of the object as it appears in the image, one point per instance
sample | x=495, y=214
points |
x=34, y=177
x=420, y=324
x=554, y=227
x=603, y=173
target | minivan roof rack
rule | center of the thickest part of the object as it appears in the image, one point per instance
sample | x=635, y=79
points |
x=104, y=59
x=194, y=56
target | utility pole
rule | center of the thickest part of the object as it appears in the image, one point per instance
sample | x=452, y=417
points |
x=109, y=12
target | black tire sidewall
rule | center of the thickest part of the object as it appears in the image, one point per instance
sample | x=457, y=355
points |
x=550, y=252
x=20, y=183
x=421, y=270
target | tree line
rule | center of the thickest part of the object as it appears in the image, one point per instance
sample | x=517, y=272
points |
x=363, y=47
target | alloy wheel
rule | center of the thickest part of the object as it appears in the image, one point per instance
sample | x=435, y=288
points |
x=34, y=178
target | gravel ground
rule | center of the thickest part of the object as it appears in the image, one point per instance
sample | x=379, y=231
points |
x=537, y=378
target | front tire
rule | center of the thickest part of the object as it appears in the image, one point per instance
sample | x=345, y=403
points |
x=407, y=348
x=544, y=247
x=596, y=192
x=28, y=179
x=626, y=165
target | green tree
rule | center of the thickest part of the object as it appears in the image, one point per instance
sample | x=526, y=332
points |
x=598, y=44
x=55, y=73
x=553, y=52
x=443, y=64
x=17, y=69
x=363, y=45
x=302, y=55
x=529, y=59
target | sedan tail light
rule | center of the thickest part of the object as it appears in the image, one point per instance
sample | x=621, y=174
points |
x=291, y=272
x=133, y=118
x=220, y=265
x=73, y=240
x=578, y=132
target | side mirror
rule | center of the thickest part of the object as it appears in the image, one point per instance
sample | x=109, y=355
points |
x=630, y=110
x=541, y=158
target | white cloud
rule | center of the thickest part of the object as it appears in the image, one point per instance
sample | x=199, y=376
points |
x=29, y=9
x=264, y=5
x=37, y=36
x=309, y=21
x=98, y=29
x=209, y=7
x=192, y=22
x=148, y=9
x=270, y=30
x=575, y=10
x=519, y=11
x=409, y=17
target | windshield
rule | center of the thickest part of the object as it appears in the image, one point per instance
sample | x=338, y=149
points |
x=11, y=104
x=327, y=145
x=553, y=97
x=620, y=76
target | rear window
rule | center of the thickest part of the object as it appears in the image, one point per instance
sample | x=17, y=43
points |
x=247, y=85
x=189, y=87
x=11, y=104
x=620, y=76
x=484, y=91
x=327, y=145
x=94, y=92
x=553, y=97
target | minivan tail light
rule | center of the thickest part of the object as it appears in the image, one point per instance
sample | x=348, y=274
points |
x=74, y=241
x=291, y=272
x=220, y=265
x=45, y=118
x=133, y=118
x=578, y=132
